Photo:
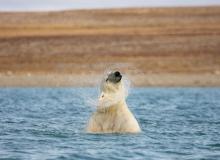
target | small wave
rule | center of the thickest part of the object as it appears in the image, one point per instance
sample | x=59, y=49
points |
x=215, y=145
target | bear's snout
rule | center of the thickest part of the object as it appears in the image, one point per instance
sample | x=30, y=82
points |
x=117, y=74
x=114, y=77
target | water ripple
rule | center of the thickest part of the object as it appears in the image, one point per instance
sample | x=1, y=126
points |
x=48, y=123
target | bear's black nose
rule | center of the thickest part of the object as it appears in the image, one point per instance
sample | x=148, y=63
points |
x=117, y=74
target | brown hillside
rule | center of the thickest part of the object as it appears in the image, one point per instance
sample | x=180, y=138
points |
x=137, y=41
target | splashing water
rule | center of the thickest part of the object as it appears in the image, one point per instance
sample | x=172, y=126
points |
x=97, y=102
x=127, y=85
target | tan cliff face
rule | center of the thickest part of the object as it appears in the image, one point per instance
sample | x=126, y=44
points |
x=161, y=46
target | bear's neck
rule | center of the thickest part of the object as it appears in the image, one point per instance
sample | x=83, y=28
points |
x=114, y=108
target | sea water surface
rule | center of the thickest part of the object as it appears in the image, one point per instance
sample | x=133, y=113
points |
x=49, y=123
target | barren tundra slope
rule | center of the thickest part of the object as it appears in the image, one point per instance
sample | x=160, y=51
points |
x=160, y=46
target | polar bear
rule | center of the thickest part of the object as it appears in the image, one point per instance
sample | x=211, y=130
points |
x=112, y=114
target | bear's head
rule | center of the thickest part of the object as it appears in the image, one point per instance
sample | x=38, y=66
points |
x=112, y=90
x=114, y=77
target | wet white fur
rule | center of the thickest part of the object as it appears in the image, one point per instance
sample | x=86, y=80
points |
x=112, y=114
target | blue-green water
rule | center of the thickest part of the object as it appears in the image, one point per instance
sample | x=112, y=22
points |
x=48, y=123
